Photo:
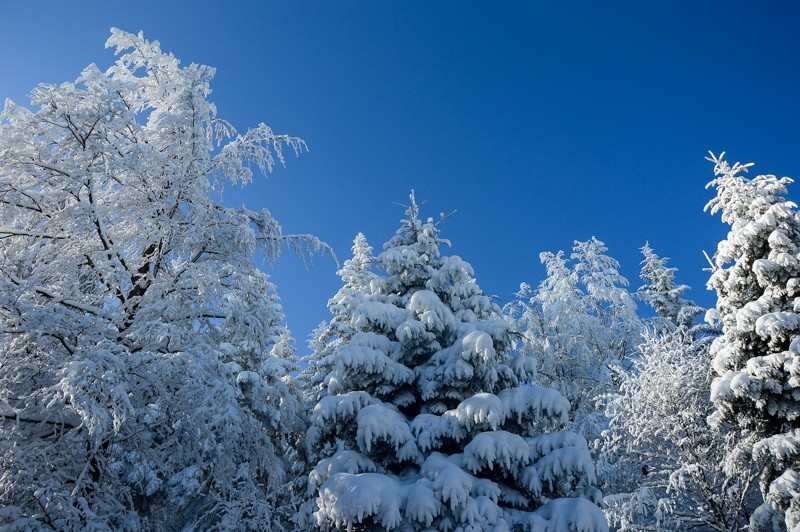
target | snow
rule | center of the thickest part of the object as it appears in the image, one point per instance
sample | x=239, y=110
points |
x=247, y=377
x=459, y=370
x=484, y=487
x=150, y=373
x=746, y=316
x=428, y=430
x=347, y=498
x=429, y=397
x=566, y=462
x=478, y=346
x=421, y=503
x=488, y=514
x=784, y=448
x=410, y=331
x=529, y=403
x=502, y=448
x=381, y=422
x=527, y=521
x=780, y=240
x=512, y=497
x=431, y=312
x=482, y=409
x=451, y=483
x=544, y=444
x=372, y=353
x=529, y=477
x=453, y=271
x=336, y=407
x=777, y=325
x=377, y=312
x=573, y=515
x=342, y=462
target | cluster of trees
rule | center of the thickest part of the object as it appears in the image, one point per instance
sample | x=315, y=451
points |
x=148, y=381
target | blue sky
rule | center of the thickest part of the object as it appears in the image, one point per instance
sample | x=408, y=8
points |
x=540, y=123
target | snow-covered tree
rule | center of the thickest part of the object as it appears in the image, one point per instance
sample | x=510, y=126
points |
x=356, y=274
x=667, y=464
x=578, y=324
x=143, y=356
x=609, y=305
x=757, y=357
x=662, y=293
x=427, y=421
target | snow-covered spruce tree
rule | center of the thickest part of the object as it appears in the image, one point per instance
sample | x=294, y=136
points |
x=662, y=293
x=143, y=357
x=667, y=468
x=757, y=357
x=327, y=337
x=356, y=274
x=578, y=324
x=428, y=421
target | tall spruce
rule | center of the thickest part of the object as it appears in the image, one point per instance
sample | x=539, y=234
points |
x=662, y=293
x=427, y=421
x=356, y=274
x=757, y=357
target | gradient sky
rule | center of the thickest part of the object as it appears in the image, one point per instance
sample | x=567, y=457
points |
x=539, y=122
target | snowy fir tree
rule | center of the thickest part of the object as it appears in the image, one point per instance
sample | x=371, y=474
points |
x=757, y=357
x=356, y=274
x=144, y=356
x=427, y=421
x=667, y=465
x=579, y=324
x=662, y=293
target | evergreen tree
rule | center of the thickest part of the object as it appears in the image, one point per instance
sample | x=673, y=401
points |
x=356, y=274
x=666, y=297
x=757, y=357
x=664, y=463
x=144, y=374
x=427, y=421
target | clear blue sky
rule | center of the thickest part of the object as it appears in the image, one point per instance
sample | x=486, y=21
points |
x=541, y=123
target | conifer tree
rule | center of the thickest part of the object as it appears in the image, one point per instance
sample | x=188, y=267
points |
x=429, y=422
x=664, y=464
x=662, y=293
x=757, y=357
x=356, y=274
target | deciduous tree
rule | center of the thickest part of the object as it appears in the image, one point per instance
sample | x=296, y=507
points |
x=143, y=356
x=578, y=325
x=666, y=464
